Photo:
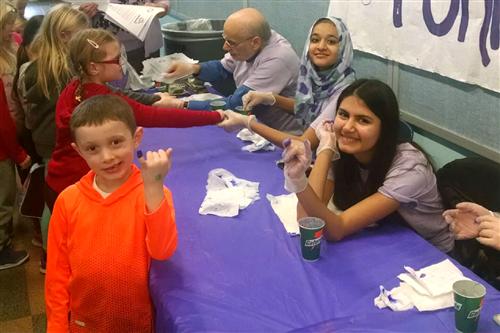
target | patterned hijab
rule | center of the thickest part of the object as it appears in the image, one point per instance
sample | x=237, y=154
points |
x=315, y=87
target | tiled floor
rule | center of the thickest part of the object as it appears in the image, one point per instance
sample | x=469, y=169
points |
x=22, y=305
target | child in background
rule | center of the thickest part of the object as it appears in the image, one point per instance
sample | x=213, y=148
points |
x=44, y=78
x=8, y=48
x=106, y=228
x=25, y=54
x=49, y=73
x=95, y=55
x=10, y=151
x=137, y=50
x=375, y=175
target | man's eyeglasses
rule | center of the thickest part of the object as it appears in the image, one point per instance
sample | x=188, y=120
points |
x=233, y=44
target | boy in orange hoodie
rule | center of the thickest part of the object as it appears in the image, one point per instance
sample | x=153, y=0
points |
x=106, y=228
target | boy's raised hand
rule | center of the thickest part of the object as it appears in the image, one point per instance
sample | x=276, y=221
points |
x=154, y=167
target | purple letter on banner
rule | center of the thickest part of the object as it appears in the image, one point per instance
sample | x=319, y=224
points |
x=397, y=19
x=440, y=29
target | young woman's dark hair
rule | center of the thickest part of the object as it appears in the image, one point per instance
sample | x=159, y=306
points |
x=349, y=187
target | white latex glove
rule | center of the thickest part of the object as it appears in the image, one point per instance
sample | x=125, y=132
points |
x=234, y=121
x=253, y=98
x=180, y=69
x=489, y=233
x=327, y=139
x=463, y=220
x=297, y=158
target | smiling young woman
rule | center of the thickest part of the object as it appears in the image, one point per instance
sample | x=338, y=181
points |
x=375, y=175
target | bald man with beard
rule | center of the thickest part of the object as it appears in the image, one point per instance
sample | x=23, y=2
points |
x=257, y=58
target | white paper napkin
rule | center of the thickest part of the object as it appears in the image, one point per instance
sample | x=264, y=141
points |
x=227, y=194
x=285, y=206
x=258, y=142
x=201, y=97
x=428, y=289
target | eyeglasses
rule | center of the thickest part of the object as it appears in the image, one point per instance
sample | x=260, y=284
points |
x=117, y=61
x=233, y=44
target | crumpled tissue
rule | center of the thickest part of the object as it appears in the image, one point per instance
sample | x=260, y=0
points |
x=227, y=194
x=285, y=206
x=427, y=289
x=201, y=97
x=258, y=142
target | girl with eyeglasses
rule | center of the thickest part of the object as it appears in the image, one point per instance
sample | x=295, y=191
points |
x=95, y=56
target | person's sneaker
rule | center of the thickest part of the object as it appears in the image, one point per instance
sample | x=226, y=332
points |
x=10, y=258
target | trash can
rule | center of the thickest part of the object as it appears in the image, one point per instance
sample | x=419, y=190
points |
x=200, y=39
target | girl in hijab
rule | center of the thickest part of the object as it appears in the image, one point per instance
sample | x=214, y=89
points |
x=325, y=71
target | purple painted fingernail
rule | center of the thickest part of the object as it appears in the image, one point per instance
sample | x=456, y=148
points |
x=139, y=153
x=287, y=142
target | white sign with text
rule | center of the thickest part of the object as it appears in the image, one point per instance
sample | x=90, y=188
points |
x=454, y=38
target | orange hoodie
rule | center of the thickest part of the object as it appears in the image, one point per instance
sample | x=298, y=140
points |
x=99, y=253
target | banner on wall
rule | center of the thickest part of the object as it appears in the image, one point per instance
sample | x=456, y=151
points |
x=454, y=38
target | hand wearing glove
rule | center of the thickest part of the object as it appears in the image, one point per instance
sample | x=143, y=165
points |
x=463, y=220
x=327, y=139
x=297, y=157
x=253, y=98
x=181, y=69
x=234, y=121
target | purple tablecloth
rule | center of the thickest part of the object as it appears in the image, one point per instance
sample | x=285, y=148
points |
x=246, y=273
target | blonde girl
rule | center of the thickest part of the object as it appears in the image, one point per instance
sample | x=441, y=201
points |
x=53, y=70
x=45, y=77
x=8, y=48
x=96, y=59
